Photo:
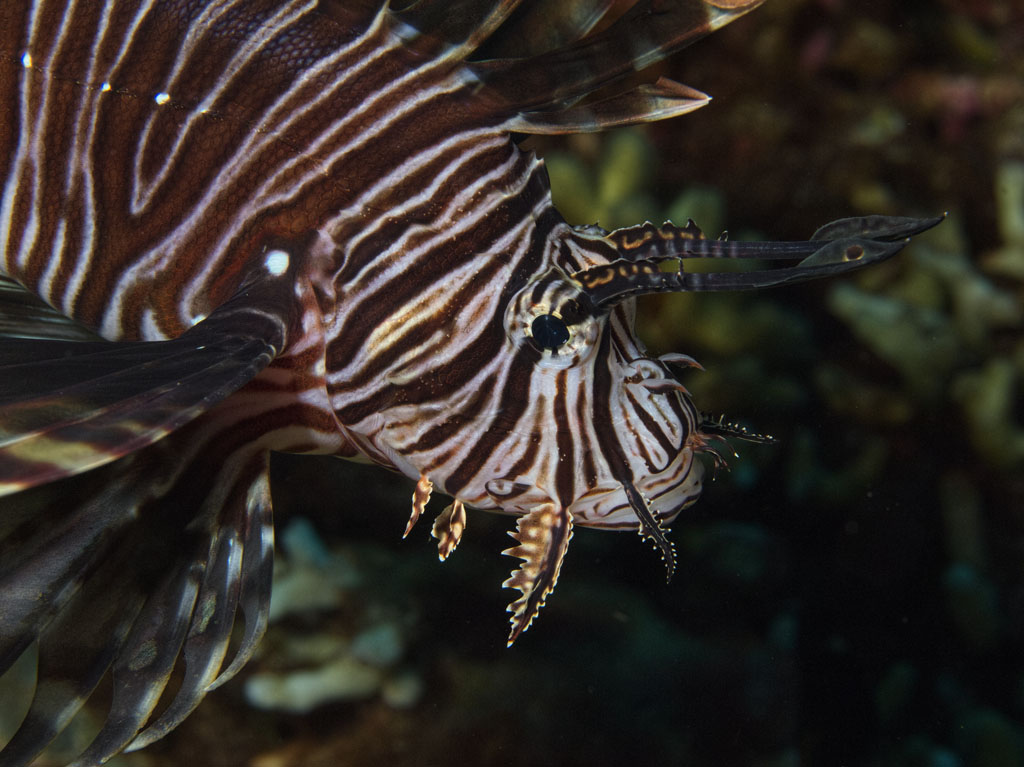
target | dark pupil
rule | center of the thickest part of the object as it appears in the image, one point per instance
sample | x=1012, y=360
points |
x=549, y=331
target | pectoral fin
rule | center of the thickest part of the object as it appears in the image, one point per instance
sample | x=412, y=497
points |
x=69, y=405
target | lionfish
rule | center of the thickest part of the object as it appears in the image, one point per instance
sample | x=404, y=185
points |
x=231, y=227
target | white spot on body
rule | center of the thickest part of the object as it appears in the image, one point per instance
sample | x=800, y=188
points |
x=162, y=98
x=26, y=60
x=150, y=327
x=105, y=88
x=404, y=32
x=277, y=262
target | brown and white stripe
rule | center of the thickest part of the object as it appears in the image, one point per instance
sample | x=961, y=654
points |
x=320, y=207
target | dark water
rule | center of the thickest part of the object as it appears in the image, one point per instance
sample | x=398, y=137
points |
x=852, y=595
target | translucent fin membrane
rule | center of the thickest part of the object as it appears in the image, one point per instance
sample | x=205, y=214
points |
x=68, y=406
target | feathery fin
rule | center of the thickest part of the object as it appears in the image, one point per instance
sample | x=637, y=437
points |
x=48, y=548
x=144, y=665
x=647, y=103
x=462, y=24
x=157, y=527
x=98, y=618
x=24, y=315
x=543, y=535
x=70, y=406
x=648, y=32
x=155, y=583
x=420, y=497
x=544, y=25
x=534, y=62
x=448, y=528
x=206, y=643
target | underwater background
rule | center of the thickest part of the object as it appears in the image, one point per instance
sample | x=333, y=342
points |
x=850, y=595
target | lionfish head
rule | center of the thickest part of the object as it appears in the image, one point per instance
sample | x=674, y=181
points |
x=576, y=424
x=615, y=432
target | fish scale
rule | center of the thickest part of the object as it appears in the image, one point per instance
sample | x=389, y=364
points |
x=232, y=227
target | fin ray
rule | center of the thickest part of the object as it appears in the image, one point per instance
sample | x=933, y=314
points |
x=98, y=617
x=206, y=643
x=463, y=24
x=648, y=32
x=647, y=103
x=67, y=406
x=144, y=665
x=25, y=316
x=543, y=535
x=256, y=574
x=448, y=528
x=184, y=550
x=546, y=25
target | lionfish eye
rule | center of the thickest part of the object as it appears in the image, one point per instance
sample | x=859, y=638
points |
x=549, y=331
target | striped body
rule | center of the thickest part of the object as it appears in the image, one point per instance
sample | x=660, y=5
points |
x=304, y=226
x=156, y=150
x=359, y=166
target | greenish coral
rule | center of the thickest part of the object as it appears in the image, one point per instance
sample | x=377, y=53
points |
x=610, y=186
x=921, y=343
x=808, y=477
x=940, y=326
x=299, y=670
x=1009, y=192
x=988, y=395
x=861, y=400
